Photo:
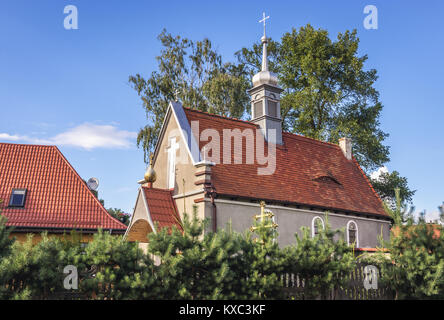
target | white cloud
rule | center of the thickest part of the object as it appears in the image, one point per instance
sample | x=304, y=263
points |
x=87, y=136
x=376, y=174
x=90, y=136
x=8, y=137
x=432, y=216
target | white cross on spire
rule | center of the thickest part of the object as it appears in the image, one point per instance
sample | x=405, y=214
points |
x=264, y=44
x=176, y=94
x=264, y=18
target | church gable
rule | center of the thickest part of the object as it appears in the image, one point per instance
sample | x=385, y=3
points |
x=173, y=161
x=155, y=209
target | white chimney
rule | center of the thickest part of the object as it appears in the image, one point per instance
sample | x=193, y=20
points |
x=346, y=146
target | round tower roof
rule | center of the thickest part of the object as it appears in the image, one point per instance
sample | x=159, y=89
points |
x=265, y=77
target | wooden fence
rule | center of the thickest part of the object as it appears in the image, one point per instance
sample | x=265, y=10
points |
x=295, y=288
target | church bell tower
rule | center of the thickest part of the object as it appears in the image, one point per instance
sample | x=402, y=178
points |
x=265, y=97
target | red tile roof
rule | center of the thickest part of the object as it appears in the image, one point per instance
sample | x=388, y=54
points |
x=56, y=195
x=308, y=172
x=162, y=208
x=436, y=228
x=372, y=249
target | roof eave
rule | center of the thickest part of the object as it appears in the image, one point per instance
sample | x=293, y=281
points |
x=20, y=229
x=292, y=203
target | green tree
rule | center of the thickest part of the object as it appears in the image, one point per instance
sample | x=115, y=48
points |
x=386, y=184
x=34, y=270
x=398, y=209
x=5, y=250
x=327, y=92
x=194, y=264
x=121, y=270
x=119, y=215
x=441, y=213
x=196, y=73
x=414, y=269
x=5, y=240
x=416, y=266
x=323, y=262
x=262, y=261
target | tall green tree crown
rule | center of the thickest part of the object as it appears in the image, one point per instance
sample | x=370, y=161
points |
x=328, y=94
x=194, y=73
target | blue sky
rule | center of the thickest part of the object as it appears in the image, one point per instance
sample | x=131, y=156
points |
x=70, y=87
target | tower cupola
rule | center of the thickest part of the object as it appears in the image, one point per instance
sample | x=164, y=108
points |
x=265, y=97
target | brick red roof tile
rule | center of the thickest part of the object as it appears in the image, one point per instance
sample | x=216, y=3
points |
x=56, y=196
x=162, y=208
x=302, y=167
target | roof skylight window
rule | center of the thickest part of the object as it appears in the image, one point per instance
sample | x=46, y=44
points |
x=17, y=198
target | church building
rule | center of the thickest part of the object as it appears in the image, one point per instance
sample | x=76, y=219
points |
x=227, y=166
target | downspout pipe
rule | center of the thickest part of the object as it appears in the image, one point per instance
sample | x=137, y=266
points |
x=213, y=195
x=211, y=192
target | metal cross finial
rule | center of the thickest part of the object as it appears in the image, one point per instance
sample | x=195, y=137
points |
x=264, y=18
x=176, y=94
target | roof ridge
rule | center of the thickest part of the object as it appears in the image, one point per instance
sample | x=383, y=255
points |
x=368, y=181
x=295, y=135
x=50, y=163
x=30, y=144
x=220, y=116
x=291, y=134
x=88, y=190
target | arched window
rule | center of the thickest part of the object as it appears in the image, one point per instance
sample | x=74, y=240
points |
x=315, y=223
x=352, y=234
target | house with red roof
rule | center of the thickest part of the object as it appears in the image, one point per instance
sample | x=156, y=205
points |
x=227, y=166
x=41, y=191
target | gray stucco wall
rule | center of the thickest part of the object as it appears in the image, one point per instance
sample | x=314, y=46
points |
x=290, y=221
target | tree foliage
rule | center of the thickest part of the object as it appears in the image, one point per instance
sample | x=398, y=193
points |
x=322, y=261
x=185, y=264
x=5, y=240
x=36, y=270
x=398, y=209
x=195, y=72
x=262, y=261
x=416, y=266
x=194, y=265
x=327, y=92
x=120, y=269
x=119, y=215
x=386, y=184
